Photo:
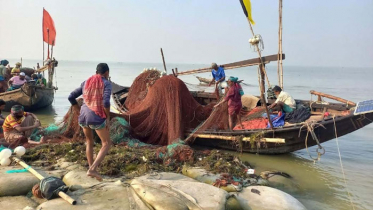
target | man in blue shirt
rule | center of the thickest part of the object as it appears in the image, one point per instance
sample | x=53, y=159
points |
x=218, y=75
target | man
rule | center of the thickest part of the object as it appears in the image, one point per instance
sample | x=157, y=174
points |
x=95, y=114
x=41, y=81
x=3, y=85
x=18, y=127
x=17, y=81
x=16, y=70
x=218, y=75
x=37, y=66
x=284, y=100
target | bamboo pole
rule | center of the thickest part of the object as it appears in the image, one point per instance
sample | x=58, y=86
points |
x=333, y=97
x=39, y=176
x=164, y=62
x=280, y=45
x=232, y=138
x=48, y=42
x=263, y=73
x=42, y=29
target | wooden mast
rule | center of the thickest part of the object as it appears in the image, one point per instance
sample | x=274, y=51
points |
x=42, y=29
x=239, y=64
x=164, y=62
x=280, y=71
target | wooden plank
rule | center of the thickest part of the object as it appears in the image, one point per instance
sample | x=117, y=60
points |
x=232, y=138
x=333, y=97
x=239, y=64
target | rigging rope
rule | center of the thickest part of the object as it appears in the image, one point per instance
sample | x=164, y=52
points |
x=310, y=129
x=340, y=161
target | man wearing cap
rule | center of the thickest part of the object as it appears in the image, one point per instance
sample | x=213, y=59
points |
x=17, y=81
x=16, y=70
x=18, y=127
x=218, y=75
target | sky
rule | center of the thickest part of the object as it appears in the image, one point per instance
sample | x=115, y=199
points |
x=315, y=33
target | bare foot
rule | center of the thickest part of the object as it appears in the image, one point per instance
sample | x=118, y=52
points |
x=94, y=174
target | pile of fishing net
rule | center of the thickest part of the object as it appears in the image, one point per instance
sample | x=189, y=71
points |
x=67, y=130
x=161, y=109
x=175, y=152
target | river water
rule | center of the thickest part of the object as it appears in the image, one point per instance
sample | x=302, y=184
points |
x=319, y=185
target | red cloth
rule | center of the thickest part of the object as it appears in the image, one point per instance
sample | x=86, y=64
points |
x=93, y=95
x=48, y=24
x=259, y=123
x=234, y=99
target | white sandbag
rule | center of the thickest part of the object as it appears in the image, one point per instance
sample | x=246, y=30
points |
x=105, y=196
x=204, y=176
x=16, y=203
x=179, y=191
x=79, y=178
x=16, y=183
x=267, y=198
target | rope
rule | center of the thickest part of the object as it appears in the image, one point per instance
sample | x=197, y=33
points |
x=340, y=161
x=310, y=129
x=260, y=54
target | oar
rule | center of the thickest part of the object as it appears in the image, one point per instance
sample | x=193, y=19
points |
x=39, y=176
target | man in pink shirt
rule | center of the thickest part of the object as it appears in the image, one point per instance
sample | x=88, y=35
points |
x=17, y=81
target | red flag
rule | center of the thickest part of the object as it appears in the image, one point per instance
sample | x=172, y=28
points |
x=48, y=25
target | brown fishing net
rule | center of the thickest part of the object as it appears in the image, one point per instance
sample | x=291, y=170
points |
x=161, y=109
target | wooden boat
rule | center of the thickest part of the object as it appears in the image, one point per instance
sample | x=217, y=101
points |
x=30, y=96
x=279, y=140
x=285, y=139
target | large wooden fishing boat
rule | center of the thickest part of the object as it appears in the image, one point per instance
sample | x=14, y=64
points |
x=342, y=119
x=30, y=96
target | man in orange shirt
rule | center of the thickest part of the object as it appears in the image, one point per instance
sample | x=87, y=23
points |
x=18, y=127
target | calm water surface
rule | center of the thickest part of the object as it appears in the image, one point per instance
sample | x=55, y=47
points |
x=319, y=185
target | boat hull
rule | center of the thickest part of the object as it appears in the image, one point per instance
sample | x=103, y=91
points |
x=293, y=137
x=30, y=97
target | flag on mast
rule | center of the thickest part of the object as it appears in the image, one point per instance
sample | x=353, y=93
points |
x=246, y=6
x=49, y=31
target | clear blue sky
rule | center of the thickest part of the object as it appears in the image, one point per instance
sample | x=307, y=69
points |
x=316, y=33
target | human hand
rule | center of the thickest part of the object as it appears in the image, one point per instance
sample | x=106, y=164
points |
x=37, y=123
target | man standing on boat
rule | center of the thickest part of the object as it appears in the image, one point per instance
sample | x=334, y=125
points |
x=95, y=114
x=16, y=70
x=218, y=75
x=3, y=84
x=284, y=101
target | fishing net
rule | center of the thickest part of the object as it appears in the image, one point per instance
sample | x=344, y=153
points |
x=67, y=130
x=161, y=109
x=175, y=152
x=120, y=133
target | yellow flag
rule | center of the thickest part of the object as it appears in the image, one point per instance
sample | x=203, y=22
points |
x=246, y=6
